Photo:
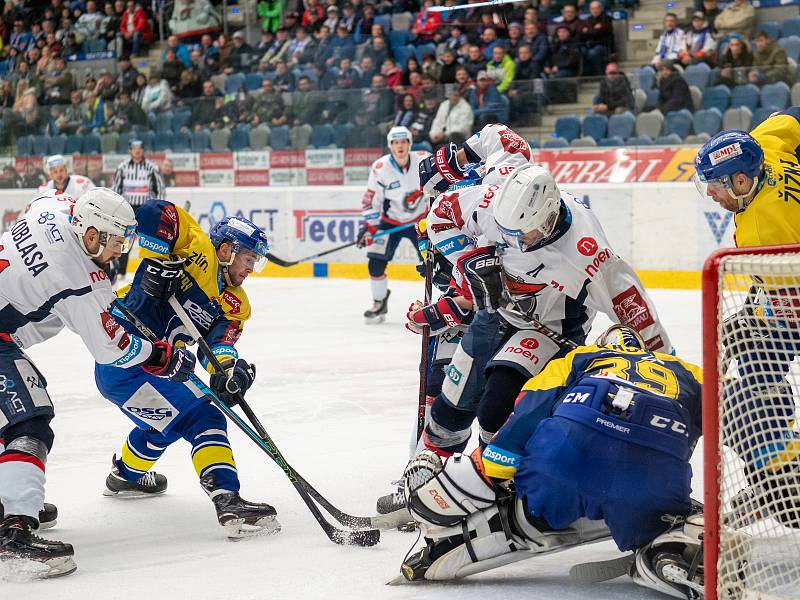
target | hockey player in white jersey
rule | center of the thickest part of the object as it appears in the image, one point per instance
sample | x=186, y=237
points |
x=51, y=278
x=392, y=199
x=62, y=180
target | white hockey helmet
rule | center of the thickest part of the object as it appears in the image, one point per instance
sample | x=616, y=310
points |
x=398, y=133
x=528, y=201
x=57, y=160
x=109, y=213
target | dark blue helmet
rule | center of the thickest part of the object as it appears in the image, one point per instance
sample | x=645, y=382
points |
x=727, y=153
x=243, y=234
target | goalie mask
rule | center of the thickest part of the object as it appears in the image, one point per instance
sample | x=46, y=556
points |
x=619, y=335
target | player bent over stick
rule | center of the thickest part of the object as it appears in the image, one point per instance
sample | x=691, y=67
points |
x=392, y=198
x=210, y=290
x=598, y=446
x=51, y=277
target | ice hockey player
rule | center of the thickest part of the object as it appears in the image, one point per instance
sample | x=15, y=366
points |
x=51, y=278
x=598, y=446
x=206, y=275
x=393, y=198
x=753, y=175
x=62, y=181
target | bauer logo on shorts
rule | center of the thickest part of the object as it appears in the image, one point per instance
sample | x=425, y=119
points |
x=725, y=153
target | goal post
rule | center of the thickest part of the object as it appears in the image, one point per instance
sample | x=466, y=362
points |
x=751, y=437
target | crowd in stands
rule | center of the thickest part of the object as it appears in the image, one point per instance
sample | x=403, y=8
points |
x=321, y=72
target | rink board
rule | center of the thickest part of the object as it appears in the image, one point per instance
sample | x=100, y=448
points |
x=665, y=230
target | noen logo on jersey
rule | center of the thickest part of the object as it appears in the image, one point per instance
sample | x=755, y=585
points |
x=335, y=225
x=725, y=153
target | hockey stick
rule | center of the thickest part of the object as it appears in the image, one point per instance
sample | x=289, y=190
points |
x=338, y=536
x=425, y=353
x=290, y=263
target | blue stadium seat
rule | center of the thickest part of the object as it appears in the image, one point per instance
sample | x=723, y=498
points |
x=401, y=54
x=252, y=81
x=647, y=78
x=775, y=94
x=708, y=120
x=718, y=96
x=122, y=142
x=699, y=75
x=771, y=28
x=762, y=113
x=234, y=83
x=340, y=132
x=621, y=125
x=98, y=45
x=791, y=46
x=201, y=141
x=24, y=145
x=556, y=142
x=790, y=27
x=398, y=39
x=148, y=138
x=180, y=118
x=678, y=122
x=322, y=136
x=652, y=98
x=240, y=138
x=669, y=140
x=181, y=141
x=639, y=140
x=75, y=143
x=423, y=49
x=745, y=95
x=39, y=145
x=568, y=127
x=279, y=138
x=163, y=141
x=163, y=122
x=534, y=143
x=594, y=126
x=57, y=144
x=384, y=21
x=611, y=141
x=91, y=144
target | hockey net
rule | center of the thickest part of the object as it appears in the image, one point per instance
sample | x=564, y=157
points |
x=751, y=348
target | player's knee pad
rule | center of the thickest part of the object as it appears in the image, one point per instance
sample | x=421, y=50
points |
x=449, y=428
x=36, y=429
x=497, y=402
x=376, y=267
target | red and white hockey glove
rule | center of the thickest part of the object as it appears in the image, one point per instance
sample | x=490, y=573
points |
x=364, y=235
x=174, y=363
x=439, y=316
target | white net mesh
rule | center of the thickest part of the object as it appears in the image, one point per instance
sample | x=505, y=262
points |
x=759, y=439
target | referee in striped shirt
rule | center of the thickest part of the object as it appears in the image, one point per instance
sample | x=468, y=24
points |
x=137, y=180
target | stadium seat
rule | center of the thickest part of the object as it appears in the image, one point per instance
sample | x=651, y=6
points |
x=646, y=76
x=771, y=28
x=584, y=142
x=669, y=140
x=762, y=114
x=384, y=21
x=594, y=126
x=738, y=118
x=708, y=120
x=790, y=27
x=39, y=144
x=718, y=96
x=568, y=127
x=340, y=132
x=402, y=21
x=163, y=122
x=259, y=137
x=621, y=125
x=698, y=75
x=678, y=122
x=698, y=138
x=650, y=124
x=108, y=142
x=399, y=39
x=24, y=145
x=697, y=97
x=240, y=138
x=91, y=144
x=639, y=140
x=745, y=95
x=180, y=118
x=252, y=81
x=201, y=141
x=321, y=136
x=775, y=94
x=611, y=141
x=122, y=142
x=234, y=82
x=163, y=141
x=423, y=49
x=556, y=142
x=639, y=100
x=300, y=137
x=791, y=46
x=652, y=98
x=181, y=141
x=534, y=143
x=401, y=54
x=219, y=139
x=279, y=138
x=57, y=144
x=795, y=94
x=148, y=138
x=75, y=142
x=93, y=46
x=504, y=114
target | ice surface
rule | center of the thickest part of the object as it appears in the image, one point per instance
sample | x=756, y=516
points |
x=339, y=398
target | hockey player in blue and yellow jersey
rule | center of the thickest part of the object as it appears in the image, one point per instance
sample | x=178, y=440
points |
x=207, y=275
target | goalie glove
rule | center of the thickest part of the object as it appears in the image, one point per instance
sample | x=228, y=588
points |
x=160, y=279
x=439, y=316
x=439, y=171
x=364, y=235
x=233, y=382
x=481, y=280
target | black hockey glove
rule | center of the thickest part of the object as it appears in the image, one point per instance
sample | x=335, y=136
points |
x=481, y=277
x=439, y=171
x=233, y=382
x=171, y=363
x=161, y=279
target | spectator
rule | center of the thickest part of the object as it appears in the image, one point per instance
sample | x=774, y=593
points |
x=126, y=77
x=672, y=41
x=392, y=73
x=342, y=45
x=284, y=78
x=157, y=96
x=489, y=40
x=711, y=11
x=189, y=87
x=33, y=177
x=312, y=7
x=171, y=69
x=20, y=38
x=536, y=39
x=207, y=45
x=379, y=101
x=514, y=40
x=106, y=88
x=137, y=93
x=524, y=99
x=268, y=107
x=306, y=104
x=10, y=179
x=565, y=58
x=301, y=49
x=349, y=72
x=168, y=170
x=501, y=69
x=673, y=91
x=364, y=134
x=348, y=17
x=569, y=19
x=135, y=28
x=770, y=62
x=464, y=82
x=204, y=109
x=366, y=69
x=412, y=66
x=72, y=117
x=94, y=117
x=420, y=127
x=455, y=39
x=7, y=94
x=426, y=25
x=414, y=86
x=180, y=50
x=365, y=23
x=126, y=114
x=428, y=86
x=241, y=55
x=615, y=94
x=376, y=49
x=87, y=27
x=447, y=74
x=431, y=67
x=264, y=43
x=211, y=66
x=323, y=48
x=454, y=119
x=525, y=68
x=596, y=33
x=292, y=21
x=475, y=62
x=58, y=83
x=735, y=61
x=700, y=44
x=739, y=17
x=332, y=17
x=277, y=51
x=342, y=101
x=485, y=101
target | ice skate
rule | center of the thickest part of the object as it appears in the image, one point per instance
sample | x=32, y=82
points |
x=48, y=516
x=377, y=314
x=239, y=517
x=17, y=543
x=149, y=484
x=393, y=506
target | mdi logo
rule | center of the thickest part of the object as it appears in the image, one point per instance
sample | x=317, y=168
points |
x=339, y=225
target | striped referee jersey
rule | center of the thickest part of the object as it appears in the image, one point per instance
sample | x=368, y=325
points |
x=139, y=182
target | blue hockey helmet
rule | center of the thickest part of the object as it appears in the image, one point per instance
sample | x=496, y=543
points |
x=244, y=236
x=621, y=335
x=723, y=156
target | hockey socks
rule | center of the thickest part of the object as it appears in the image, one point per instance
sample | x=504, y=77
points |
x=22, y=477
